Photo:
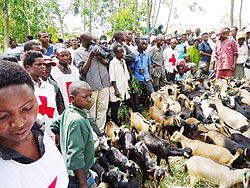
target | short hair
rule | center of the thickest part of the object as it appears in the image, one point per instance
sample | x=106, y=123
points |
x=30, y=37
x=117, y=34
x=138, y=40
x=10, y=42
x=30, y=56
x=184, y=34
x=234, y=27
x=72, y=38
x=226, y=29
x=103, y=37
x=204, y=34
x=8, y=58
x=180, y=66
x=76, y=85
x=40, y=33
x=28, y=45
x=115, y=48
x=13, y=74
x=60, y=40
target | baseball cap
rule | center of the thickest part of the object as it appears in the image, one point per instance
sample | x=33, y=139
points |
x=48, y=60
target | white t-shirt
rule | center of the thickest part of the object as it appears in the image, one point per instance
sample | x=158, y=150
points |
x=242, y=53
x=170, y=59
x=47, y=172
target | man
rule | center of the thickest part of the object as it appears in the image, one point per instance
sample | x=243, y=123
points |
x=48, y=48
x=205, y=50
x=93, y=70
x=48, y=78
x=234, y=31
x=205, y=73
x=142, y=67
x=166, y=44
x=181, y=47
x=157, y=60
x=170, y=60
x=128, y=40
x=14, y=49
x=226, y=53
x=33, y=62
x=64, y=73
x=129, y=57
x=158, y=31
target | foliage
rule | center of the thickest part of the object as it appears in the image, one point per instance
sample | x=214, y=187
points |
x=123, y=113
x=134, y=84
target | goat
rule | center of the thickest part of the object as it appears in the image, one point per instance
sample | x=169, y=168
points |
x=112, y=131
x=116, y=158
x=245, y=96
x=102, y=143
x=214, y=152
x=161, y=148
x=230, y=117
x=149, y=169
x=220, y=174
x=139, y=123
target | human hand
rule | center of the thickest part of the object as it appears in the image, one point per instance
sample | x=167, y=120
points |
x=151, y=79
x=233, y=67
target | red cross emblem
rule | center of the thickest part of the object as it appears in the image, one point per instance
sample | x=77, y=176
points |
x=53, y=184
x=173, y=60
x=44, y=109
x=67, y=87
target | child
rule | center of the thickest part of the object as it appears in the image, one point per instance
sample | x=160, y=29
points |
x=28, y=157
x=76, y=139
x=119, y=78
x=181, y=75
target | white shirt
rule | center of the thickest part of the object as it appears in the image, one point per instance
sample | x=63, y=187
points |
x=170, y=59
x=242, y=53
x=48, y=171
x=118, y=72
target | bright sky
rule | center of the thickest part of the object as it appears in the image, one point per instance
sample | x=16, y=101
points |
x=211, y=19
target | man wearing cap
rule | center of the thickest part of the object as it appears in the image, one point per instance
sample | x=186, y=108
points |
x=159, y=30
x=226, y=53
x=48, y=78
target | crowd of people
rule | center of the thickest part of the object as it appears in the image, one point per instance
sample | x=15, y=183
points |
x=76, y=81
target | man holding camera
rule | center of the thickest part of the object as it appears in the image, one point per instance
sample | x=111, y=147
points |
x=93, y=69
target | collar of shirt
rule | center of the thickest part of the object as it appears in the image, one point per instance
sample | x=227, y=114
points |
x=64, y=70
x=82, y=112
x=38, y=132
x=42, y=83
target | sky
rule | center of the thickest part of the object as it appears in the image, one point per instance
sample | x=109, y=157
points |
x=210, y=19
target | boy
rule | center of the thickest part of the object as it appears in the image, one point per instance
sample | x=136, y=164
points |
x=28, y=157
x=119, y=77
x=181, y=75
x=76, y=138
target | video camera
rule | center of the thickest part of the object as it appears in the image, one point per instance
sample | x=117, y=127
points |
x=104, y=52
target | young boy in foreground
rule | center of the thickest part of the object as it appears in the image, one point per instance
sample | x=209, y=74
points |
x=76, y=138
x=28, y=157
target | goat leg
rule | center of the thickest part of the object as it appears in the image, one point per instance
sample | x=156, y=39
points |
x=158, y=160
x=169, y=169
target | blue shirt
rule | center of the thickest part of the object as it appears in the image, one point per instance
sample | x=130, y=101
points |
x=181, y=50
x=205, y=47
x=178, y=77
x=141, y=61
x=50, y=51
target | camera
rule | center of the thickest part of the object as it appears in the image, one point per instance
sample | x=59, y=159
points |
x=141, y=71
x=103, y=51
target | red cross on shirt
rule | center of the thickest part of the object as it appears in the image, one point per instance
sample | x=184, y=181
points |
x=53, y=184
x=44, y=109
x=67, y=88
x=173, y=60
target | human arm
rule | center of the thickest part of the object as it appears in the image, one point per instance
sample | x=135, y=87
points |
x=102, y=60
x=55, y=128
x=81, y=178
x=206, y=54
x=86, y=65
x=117, y=93
x=129, y=57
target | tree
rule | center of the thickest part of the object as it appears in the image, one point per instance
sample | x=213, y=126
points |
x=232, y=13
x=6, y=24
x=170, y=11
x=240, y=24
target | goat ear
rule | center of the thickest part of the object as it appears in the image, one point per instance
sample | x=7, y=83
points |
x=182, y=129
x=150, y=170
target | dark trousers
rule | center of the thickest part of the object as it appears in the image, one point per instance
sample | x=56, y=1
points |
x=170, y=76
x=114, y=109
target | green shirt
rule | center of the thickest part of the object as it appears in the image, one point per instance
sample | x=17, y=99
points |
x=195, y=76
x=194, y=53
x=76, y=139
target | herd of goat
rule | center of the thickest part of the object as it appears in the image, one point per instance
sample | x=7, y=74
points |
x=207, y=122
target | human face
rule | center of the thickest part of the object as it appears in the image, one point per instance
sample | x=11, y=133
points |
x=233, y=32
x=142, y=45
x=48, y=70
x=184, y=38
x=37, y=69
x=119, y=53
x=74, y=42
x=173, y=44
x=160, y=42
x=44, y=38
x=187, y=57
x=82, y=99
x=241, y=41
x=129, y=36
x=17, y=114
x=205, y=38
x=204, y=69
x=36, y=48
x=64, y=58
x=13, y=44
x=196, y=44
x=122, y=37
